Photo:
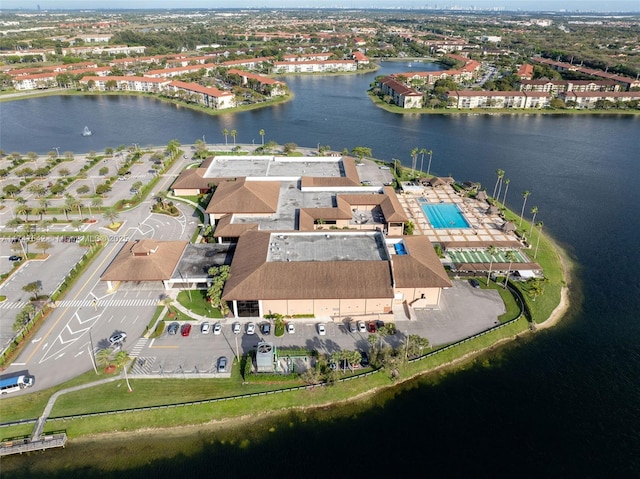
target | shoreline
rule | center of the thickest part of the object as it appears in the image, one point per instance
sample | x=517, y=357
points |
x=227, y=424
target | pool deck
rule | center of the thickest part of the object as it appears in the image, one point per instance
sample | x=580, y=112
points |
x=485, y=229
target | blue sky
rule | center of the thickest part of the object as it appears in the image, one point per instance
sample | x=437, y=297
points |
x=556, y=5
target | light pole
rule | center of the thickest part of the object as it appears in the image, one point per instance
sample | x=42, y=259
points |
x=93, y=359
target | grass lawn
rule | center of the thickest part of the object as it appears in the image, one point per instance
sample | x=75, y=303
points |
x=196, y=301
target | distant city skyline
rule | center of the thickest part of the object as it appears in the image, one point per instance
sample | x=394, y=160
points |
x=511, y=5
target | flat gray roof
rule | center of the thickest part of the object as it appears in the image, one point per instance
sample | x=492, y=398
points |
x=263, y=166
x=332, y=246
x=198, y=258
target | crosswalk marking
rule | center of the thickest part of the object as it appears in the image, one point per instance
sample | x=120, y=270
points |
x=139, y=346
x=87, y=303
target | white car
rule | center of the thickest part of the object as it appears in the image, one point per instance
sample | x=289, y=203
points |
x=291, y=328
x=217, y=328
x=236, y=328
x=117, y=338
x=322, y=330
x=251, y=328
x=362, y=327
x=204, y=329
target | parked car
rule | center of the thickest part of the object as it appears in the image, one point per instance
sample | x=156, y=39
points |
x=474, y=283
x=186, y=329
x=217, y=328
x=353, y=327
x=117, y=338
x=204, y=329
x=173, y=328
x=291, y=328
x=364, y=362
x=236, y=328
x=379, y=324
x=251, y=328
x=15, y=258
x=265, y=328
x=372, y=327
x=222, y=364
x=362, y=327
x=322, y=330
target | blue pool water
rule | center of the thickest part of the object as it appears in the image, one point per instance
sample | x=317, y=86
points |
x=444, y=215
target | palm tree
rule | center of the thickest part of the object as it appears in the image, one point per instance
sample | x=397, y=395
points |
x=491, y=251
x=506, y=188
x=44, y=225
x=96, y=203
x=534, y=212
x=539, y=226
x=500, y=175
x=122, y=360
x=500, y=188
x=422, y=152
x=525, y=195
x=44, y=203
x=430, y=153
x=69, y=204
x=225, y=132
x=262, y=135
x=511, y=256
x=111, y=214
x=234, y=133
x=414, y=157
x=103, y=358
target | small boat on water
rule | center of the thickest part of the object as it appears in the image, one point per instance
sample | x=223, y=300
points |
x=86, y=131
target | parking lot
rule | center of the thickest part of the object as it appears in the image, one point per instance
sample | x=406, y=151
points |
x=464, y=311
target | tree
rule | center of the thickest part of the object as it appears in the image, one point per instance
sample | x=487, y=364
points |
x=234, y=133
x=96, y=203
x=104, y=357
x=33, y=288
x=103, y=171
x=111, y=214
x=414, y=346
x=108, y=151
x=525, y=195
x=225, y=132
x=422, y=153
x=491, y=251
x=414, y=159
x=361, y=152
x=539, y=226
x=262, y=135
x=43, y=246
x=173, y=147
x=497, y=197
x=500, y=175
x=511, y=257
x=506, y=188
x=121, y=360
x=534, y=212
x=289, y=147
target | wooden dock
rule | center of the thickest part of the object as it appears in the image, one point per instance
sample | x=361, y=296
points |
x=27, y=445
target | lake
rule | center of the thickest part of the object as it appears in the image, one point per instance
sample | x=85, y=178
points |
x=564, y=403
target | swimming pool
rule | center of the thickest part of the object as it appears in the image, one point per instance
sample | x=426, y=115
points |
x=444, y=215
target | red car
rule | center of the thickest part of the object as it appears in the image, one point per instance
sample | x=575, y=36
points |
x=186, y=329
x=372, y=327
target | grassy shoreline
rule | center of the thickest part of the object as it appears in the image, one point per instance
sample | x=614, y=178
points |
x=113, y=395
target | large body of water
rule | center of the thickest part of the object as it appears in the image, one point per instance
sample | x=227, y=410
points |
x=565, y=403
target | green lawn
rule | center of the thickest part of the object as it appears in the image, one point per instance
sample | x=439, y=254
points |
x=196, y=301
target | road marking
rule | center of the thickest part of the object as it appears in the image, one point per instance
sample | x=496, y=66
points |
x=164, y=347
x=95, y=271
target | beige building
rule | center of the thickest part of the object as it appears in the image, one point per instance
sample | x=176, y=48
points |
x=337, y=274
